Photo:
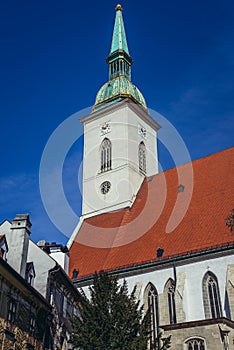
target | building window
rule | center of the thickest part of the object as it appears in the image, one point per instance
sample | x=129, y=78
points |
x=32, y=323
x=30, y=273
x=195, y=344
x=11, y=311
x=105, y=155
x=152, y=303
x=170, y=292
x=211, y=297
x=142, y=158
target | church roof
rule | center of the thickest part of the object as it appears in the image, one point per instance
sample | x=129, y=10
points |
x=133, y=235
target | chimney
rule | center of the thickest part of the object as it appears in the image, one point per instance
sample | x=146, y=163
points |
x=57, y=251
x=18, y=240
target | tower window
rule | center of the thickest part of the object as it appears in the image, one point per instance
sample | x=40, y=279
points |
x=105, y=155
x=142, y=158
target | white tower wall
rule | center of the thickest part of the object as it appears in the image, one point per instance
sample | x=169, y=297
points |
x=127, y=124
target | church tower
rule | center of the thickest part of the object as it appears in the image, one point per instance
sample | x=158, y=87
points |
x=119, y=136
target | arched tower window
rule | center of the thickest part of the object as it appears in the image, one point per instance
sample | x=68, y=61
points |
x=151, y=295
x=105, y=155
x=211, y=297
x=142, y=157
x=195, y=344
x=170, y=295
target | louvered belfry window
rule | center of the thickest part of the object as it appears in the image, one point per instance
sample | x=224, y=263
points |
x=106, y=150
x=142, y=157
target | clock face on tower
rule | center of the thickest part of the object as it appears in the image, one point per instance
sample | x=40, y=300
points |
x=105, y=128
x=142, y=131
x=105, y=187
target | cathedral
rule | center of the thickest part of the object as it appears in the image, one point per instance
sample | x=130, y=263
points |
x=168, y=233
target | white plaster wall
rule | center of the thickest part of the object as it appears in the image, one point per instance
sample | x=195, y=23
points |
x=150, y=142
x=61, y=258
x=125, y=177
x=193, y=301
x=5, y=227
x=157, y=277
x=192, y=296
x=17, y=240
x=42, y=264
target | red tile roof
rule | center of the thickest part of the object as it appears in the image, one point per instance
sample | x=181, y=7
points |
x=132, y=235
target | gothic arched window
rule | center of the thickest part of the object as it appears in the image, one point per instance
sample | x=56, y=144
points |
x=151, y=295
x=195, y=344
x=142, y=157
x=170, y=293
x=105, y=155
x=211, y=297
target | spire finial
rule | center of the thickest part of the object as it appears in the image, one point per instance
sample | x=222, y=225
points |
x=119, y=40
x=118, y=8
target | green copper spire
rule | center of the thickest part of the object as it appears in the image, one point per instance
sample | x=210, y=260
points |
x=119, y=60
x=119, y=40
x=119, y=85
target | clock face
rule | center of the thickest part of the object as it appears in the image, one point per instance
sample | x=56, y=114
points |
x=105, y=187
x=142, y=131
x=105, y=128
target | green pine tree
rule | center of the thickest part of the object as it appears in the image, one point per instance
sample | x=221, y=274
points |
x=111, y=318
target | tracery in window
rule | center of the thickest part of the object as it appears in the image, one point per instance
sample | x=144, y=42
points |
x=142, y=157
x=170, y=292
x=195, y=344
x=152, y=303
x=211, y=297
x=106, y=155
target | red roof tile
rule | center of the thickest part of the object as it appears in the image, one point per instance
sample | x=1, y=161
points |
x=132, y=235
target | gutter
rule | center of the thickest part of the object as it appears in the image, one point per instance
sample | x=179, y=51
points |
x=126, y=269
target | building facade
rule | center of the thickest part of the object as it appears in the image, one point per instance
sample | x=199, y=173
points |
x=137, y=224
x=25, y=316
x=37, y=299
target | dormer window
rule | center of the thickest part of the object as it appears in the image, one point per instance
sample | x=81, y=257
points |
x=3, y=247
x=30, y=273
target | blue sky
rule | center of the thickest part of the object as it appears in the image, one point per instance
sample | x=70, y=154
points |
x=53, y=63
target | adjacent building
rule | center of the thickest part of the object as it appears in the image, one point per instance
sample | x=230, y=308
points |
x=37, y=298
